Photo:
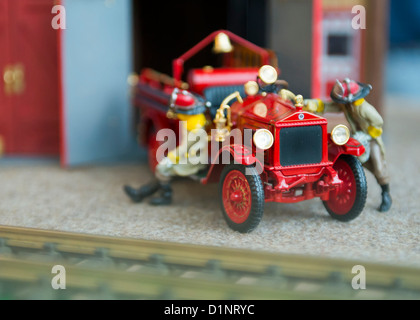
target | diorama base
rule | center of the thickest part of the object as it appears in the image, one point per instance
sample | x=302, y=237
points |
x=91, y=200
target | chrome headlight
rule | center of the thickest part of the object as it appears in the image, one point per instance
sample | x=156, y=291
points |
x=268, y=74
x=263, y=139
x=251, y=88
x=340, y=134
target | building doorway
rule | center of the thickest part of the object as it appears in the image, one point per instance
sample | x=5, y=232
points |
x=29, y=93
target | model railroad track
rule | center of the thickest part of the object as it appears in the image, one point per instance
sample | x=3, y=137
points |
x=107, y=267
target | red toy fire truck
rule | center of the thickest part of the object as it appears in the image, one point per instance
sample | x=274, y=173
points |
x=290, y=156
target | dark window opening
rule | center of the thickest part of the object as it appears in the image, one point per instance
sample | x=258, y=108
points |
x=338, y=45
x=162, y=31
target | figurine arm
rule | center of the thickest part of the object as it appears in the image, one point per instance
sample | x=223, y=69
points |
x=175, y=155
x=373, y=118
x=321, y=107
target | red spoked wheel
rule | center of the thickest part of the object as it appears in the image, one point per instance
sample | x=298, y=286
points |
x=348, y=200
x=242, y=197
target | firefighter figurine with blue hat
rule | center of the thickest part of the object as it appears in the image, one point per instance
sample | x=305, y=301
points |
x=366, y=126
x=183, y=160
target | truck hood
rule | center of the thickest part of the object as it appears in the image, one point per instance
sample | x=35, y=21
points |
x=273, y=110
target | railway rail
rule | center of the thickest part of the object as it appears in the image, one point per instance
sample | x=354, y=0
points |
x=114, y=268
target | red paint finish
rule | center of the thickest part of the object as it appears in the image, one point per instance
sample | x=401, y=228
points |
x=316, y=47
x=279, y=112
x=277, y=109
x=6, y=114
x=152, y=148
x=153, y=105
x=237, y=198
x=178, y=64
x=239, y=153
x=352, y=147
x=31, y=125
x=342, y=198
x=301, y=186
x=153, y=92
x=200, y=79
x=184, y=100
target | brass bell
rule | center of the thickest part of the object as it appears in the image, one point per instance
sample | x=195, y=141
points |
x=222, y=43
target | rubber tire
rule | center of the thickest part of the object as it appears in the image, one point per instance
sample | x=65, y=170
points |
x=257, y=198
x=361, y=191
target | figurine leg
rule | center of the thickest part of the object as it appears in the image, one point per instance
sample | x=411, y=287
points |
x=386, y=199
x=137, y=195
x=378, y=166
x=165, y=196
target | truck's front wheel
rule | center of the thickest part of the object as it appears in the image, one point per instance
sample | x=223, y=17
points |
x=347, y=201
x=241, y=197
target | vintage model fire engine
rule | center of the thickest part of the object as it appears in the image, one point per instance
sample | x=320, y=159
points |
x=288, y=155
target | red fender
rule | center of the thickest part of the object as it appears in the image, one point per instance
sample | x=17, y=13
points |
x=241, y=154
x=155, y=119
x=352, y=147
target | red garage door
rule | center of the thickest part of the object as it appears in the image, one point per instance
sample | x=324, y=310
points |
x=29, y=97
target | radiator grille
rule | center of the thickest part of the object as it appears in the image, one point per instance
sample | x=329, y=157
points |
x=300, y=145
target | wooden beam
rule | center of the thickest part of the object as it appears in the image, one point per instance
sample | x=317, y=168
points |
x=376, y=45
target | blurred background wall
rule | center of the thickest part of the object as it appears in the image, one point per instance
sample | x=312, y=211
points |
x=403, y=63
x=97, y=58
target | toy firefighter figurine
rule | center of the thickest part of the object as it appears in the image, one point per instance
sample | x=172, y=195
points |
x=189, y=109
x=365, y=125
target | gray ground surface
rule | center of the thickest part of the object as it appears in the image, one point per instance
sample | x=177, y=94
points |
x=90, y=200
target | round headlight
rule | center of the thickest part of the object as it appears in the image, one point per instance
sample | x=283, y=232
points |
x=263, y=139
x=251, y=88
x=340, y=134
x=268, y=74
